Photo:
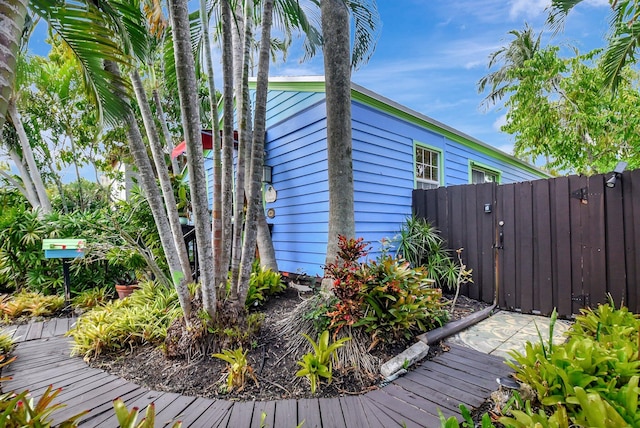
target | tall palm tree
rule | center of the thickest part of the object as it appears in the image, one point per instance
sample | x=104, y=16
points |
x=187, y=89
x=12, y=17
x=624, y=40
x=338, y=62
x=337, y=69
x=254, y=197
x=524, y=46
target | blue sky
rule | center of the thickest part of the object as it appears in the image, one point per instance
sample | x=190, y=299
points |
x=431, y=54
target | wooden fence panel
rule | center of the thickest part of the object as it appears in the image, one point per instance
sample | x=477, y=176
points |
x=615, y=243
x=631, y=198
x=524, y=246
x=595, y=264
x=561, y=248
x=486, y=239
x=577, y=225
x=542, y=286
x=561, y=243
x=506, y=261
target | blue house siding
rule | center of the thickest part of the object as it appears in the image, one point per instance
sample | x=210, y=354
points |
x=384, y=138
x=296, y=150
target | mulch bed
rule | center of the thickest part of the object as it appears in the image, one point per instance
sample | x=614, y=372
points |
x=273, y=364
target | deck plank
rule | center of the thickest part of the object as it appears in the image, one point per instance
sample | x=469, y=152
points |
x=175, y=411
x=213, y=414
x=21, y=333
x=241, y=414
x=376, y=417
x=441, y=394
x=353, y=411
x=268, y=408
x=286, y=414
x=195, y=410
x=93, y=401
x=35, y=332
x=402, y=412
x=105, y=411
x=331, y=413
x=309, y=412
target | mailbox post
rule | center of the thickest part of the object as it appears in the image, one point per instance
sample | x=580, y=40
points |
x=64, y=249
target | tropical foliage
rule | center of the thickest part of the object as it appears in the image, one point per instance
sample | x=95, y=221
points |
x=420, y=243
x=319, y=363
x=558, y=110
x=592, y=379
x=143, y=317
x=386, y=298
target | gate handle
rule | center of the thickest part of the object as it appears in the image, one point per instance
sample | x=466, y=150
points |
x=500, y=236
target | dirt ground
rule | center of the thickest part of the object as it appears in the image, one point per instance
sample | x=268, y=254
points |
x=273, y=364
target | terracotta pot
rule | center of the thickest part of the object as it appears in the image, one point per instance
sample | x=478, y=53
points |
x=125, y=290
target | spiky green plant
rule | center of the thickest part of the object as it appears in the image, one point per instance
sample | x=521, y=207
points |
x=238, y=369
x=319, y=363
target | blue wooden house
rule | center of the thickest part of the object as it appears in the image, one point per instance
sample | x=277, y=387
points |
x=395, y=150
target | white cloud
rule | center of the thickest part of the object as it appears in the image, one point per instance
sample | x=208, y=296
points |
x=527, y=8
x=500, y=122
x=507, y=148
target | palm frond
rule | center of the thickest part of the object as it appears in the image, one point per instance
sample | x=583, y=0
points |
x=289, y=14
x=84, y=29
x=367, y=25
x=558, y=11
x=619, y=53
x=131, y=25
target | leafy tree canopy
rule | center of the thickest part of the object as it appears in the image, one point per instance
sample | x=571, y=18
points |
x=559, y=108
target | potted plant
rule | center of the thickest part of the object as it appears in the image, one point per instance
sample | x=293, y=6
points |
x=183, y=200
x=128, y=264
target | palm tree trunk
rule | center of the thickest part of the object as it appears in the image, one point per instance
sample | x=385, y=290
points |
x=227, y=132
x=220, y=264
x=13, y=182
x=29, y=188
x=335, y=31
x=12, y=16
x=241, y=66
x=257, y=153
x=154, y=198
x=163, y=175
x=27, y=155
x=187, y=89
x=168, y=143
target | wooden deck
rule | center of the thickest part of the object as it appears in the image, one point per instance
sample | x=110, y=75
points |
x=459, y=376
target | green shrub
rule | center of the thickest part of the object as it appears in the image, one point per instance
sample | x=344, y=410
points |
x=386, y=297
x=594, y=375
x=93, y=297
x=120, y=324
x=6, y=345
x=22, y=264
x=30, y=304
x=319, y=363
x=420, y=243
x=263, y=283
x=238, y=369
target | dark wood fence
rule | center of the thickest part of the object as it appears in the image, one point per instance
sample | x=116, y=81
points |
x=560, y=243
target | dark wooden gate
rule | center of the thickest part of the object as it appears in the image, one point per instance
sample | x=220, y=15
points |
x=560, y=243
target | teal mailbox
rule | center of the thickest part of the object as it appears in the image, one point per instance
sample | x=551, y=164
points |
x=65, y=249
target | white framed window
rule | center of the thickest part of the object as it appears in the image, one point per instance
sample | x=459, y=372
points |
x=481, y=174
x=427, y=167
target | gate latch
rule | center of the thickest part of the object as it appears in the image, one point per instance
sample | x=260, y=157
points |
x=584, y=299
x=582, y=194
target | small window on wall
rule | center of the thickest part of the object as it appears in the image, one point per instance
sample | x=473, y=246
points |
x=481, y=175
x=427, y=168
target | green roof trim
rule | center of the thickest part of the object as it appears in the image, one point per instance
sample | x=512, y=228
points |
x=377, y=101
